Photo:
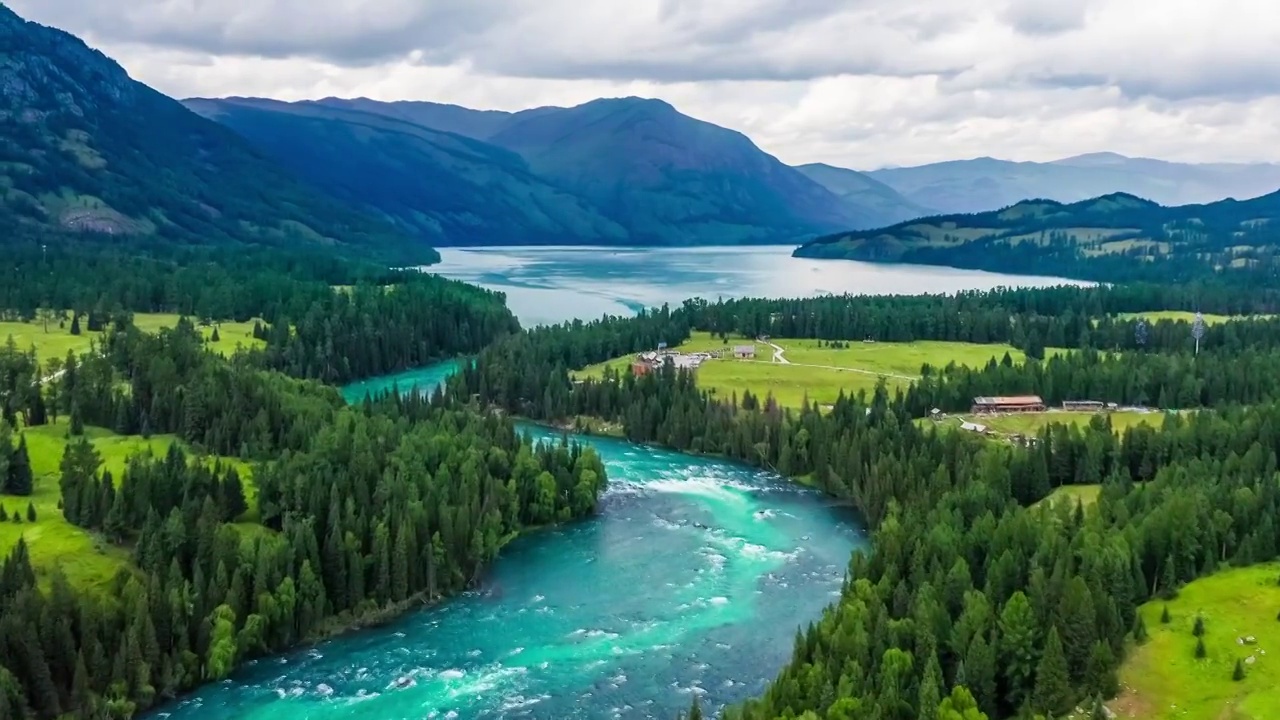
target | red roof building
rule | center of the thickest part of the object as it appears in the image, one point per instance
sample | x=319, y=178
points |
x=1010, y=404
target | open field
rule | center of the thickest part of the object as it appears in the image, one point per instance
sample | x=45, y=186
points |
x=1072, y=494
x=1185, y=316
x=1033, y=423
x=57, y=341
x=819, y=373
x=87, y=561
x=1163, y=680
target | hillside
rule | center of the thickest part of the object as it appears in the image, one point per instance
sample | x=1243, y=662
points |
x=883, y=205
x=986, y=183
x=439, y=186
x=1110, y=238
x=666, y=178
x=85, y=149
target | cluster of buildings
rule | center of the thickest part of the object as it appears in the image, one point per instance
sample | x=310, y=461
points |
x=651, y=360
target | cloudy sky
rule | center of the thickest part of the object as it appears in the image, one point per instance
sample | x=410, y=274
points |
x=860, y=83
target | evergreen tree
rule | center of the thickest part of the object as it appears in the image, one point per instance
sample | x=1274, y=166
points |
x=215, y=337
x=1165, y=618
x=4, y=516
x=31, y=512
x=1140, y=634
x=21, y=481
x=75, y=324
x=1238, y=673
x=1200, y=649
x=1198, y=628
x=1053, y=688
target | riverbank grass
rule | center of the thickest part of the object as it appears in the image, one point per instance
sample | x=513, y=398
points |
x=88, y=561
x=1163, y=680
x=817, y=371
x=57, y=341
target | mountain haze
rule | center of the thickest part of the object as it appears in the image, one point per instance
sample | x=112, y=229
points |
x=883, y=205
x=86, y=149
x=981, y=184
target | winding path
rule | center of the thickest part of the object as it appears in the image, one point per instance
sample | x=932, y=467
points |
x=778, y=351
x=779, y=357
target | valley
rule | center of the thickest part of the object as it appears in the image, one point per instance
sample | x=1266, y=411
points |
x=592, y=408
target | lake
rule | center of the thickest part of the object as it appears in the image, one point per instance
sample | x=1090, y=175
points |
x=554, y=284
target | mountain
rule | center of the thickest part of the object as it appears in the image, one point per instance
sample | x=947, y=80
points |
x=986, y=183
x=1115, y=237
x=442, y=187
x=882, y=204
x=86, y=149
x=664, y=177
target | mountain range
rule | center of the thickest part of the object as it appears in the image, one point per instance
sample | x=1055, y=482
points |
x=1116, y=237
x=85, y=149
x=623, y=170
x=965, y=186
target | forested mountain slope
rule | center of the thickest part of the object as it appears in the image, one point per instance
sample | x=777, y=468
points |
x=1115, y=237
x=666, y=178
x=440, y=186
x=86, y=149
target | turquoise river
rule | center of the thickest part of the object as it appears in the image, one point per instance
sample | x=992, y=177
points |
x=693, y=578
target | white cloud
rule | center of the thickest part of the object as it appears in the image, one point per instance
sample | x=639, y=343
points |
x=861, y=83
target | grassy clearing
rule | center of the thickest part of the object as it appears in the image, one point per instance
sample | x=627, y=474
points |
x=87, y=561
x=1162, y=678
x=1033, y=423
x=58, y=340
x=820, y=373
x=1072, y=494
x=1185, y=316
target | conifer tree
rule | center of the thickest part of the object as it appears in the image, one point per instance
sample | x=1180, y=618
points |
x=1198, y=628
x=1200, y=649
x=1053, y=686
x=1238, y=673
x=1140, y=634
x=4, y=516
x=31, y=512
x=1164, y=616
x=21, y=480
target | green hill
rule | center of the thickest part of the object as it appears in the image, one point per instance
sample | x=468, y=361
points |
x=440, y=186
x=1110, y=238
x=86, y=149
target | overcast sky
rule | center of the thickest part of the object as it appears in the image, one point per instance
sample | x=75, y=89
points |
x=859, y=83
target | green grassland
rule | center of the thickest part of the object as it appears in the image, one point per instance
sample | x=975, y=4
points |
x=1185, y=316
x=86, y=560
x=58, y=340
x=1033, y=423
x=1163, y=680
x=1073, y=494
x=817, y=373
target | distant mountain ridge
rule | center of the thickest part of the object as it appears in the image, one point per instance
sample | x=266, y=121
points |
x=1114, y=237
x=884, y=205
x=623, y=170
x=981, y=184
x=86, y=149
